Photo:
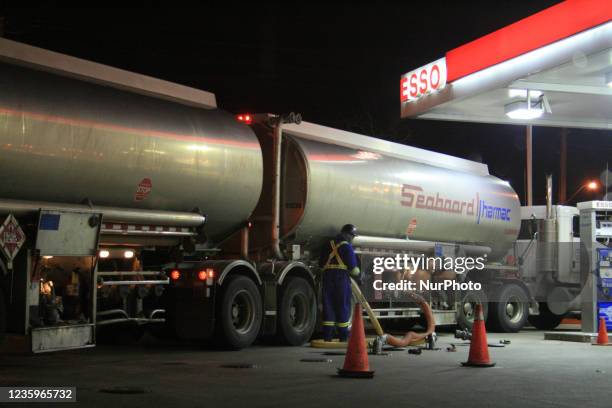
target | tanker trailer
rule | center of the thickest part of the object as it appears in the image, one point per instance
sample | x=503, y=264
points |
x=404, y=201
x=107, y=176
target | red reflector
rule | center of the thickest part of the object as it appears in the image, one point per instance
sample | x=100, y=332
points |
x=202, y=275
x=247, y=118
x=510, y=260
x=175, y=275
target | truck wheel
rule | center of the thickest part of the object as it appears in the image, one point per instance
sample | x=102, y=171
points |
x=297, y=312
x=2, y=317
x=546, y=320
x=511, y=309
x=240, y=312
x=467, y=308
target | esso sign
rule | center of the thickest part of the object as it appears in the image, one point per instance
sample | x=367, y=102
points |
x=427, y=79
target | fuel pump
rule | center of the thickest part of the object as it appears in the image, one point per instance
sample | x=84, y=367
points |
x=596, y=263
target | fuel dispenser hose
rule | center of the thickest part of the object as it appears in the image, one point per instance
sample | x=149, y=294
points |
x=410, y=337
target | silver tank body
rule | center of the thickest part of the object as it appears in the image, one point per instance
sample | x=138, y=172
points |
x=390, y=197
x=63, y=140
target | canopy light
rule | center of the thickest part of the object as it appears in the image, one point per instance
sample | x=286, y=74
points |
x=609, y=79
x=522, y=93
x=532, y=104
x=522, y=110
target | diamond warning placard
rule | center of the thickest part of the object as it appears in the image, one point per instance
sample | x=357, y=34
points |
x=12, y=237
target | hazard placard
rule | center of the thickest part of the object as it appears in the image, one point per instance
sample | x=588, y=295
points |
x=12, y=237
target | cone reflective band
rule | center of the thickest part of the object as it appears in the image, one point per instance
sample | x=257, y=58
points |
x=479, y=348
x=356, y=363
x=602, y=335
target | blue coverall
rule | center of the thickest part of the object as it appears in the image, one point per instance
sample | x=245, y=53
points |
x=338, y=261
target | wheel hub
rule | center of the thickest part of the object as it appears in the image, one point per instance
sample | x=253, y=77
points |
x=242, y=311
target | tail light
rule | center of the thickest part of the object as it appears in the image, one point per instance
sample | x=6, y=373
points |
x=175, y=274
x=245, y=118
x=207, y=274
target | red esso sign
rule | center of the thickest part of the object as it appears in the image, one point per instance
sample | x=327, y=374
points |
x=427, y=79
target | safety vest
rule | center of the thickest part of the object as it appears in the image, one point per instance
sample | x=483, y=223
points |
x=335, y=256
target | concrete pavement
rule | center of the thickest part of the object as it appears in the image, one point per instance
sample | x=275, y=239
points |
x=530, y=372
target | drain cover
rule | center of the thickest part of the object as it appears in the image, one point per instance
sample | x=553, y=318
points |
x=123, y=390
x=316, y=360
x=239, y=365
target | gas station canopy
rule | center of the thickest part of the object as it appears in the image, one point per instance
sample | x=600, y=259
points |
x=553, y=68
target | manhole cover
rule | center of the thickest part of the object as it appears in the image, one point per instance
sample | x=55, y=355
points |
x=123, y=390
x=239, y=365
x=316, y=360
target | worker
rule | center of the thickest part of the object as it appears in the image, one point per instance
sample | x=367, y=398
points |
x=339, y=265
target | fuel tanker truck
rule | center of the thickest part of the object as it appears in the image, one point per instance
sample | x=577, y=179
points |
x=130, y=200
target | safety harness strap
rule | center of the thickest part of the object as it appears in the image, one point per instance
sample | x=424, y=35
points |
x=335, y=254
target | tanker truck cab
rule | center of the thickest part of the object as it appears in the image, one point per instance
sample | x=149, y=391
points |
x=548, y=254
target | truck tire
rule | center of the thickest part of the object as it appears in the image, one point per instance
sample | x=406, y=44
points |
x=546, y=320
x=511, y=309
x=2, y=317
x=240, y=312
x=466, y=308
x=297, y=312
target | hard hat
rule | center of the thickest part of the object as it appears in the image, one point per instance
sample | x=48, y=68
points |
x=349, y=229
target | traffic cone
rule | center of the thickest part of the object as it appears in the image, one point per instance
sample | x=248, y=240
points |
x=356, y=364
x=479, y=349
x=602, y=336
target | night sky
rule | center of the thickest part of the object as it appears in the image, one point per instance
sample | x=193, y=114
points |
x=337, y=64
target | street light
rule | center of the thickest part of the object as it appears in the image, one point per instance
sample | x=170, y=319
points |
x=591, y=186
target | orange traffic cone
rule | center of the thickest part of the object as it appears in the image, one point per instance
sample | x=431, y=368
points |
x=479, y=349
x=356, y=364
x=602, y=336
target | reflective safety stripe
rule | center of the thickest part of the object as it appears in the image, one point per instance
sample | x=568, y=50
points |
x=328, y=323
x=334, y=254
x=346, y=324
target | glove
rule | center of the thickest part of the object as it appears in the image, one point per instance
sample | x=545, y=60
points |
x=358, y=280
